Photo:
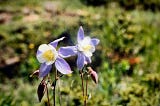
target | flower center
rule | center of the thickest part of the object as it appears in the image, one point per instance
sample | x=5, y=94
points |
x=49, y=55
x=86, y=47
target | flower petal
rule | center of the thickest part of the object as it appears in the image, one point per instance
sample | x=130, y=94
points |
x=38, y=52
x=62, y=66
x=88, y=54
x=88, y=59
x=43, y=47
x=80, y=61
x=95, y=41
x=55, y=42
x=40, y=58
x=67, y=51
x=80, y=34
x=44, y=69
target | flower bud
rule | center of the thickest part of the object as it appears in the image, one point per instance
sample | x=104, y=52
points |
x=41, y=90
x=94, y=77
x=93, y=74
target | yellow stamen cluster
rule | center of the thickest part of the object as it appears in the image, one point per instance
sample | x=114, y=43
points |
x=86, y=47
x=48, y=55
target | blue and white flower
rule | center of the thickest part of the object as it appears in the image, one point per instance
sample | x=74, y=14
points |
x=47, y=55
x=83, y=49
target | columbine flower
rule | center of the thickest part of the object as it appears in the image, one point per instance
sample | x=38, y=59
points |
x=47, y=55
x=84, y=49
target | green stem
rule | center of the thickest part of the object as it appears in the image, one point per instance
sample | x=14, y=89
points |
x=86, y=96
x=54, y=90
x=81, y=74
x=59, y=92
x=48, y=96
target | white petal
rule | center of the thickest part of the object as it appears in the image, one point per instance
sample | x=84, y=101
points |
x=92, y=49
x=50, y=62
x=41, y=59
x=44, y=47
x=88, y=54
x=85, y=41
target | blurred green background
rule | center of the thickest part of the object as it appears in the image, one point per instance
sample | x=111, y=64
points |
x=127, y=59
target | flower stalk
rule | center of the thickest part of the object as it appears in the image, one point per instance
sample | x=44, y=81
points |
x=54, y=88
x=48, y=95
x=82, y=79
x=86, y=95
